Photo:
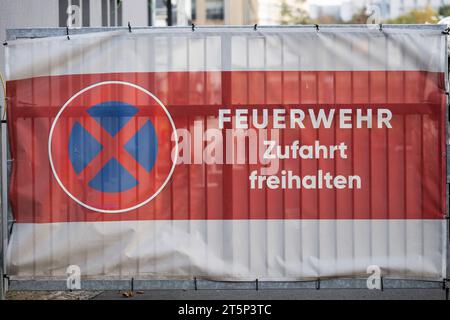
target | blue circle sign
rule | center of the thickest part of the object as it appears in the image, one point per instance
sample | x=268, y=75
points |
x=108, y=147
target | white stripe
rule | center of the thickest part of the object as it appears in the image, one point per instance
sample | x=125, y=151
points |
x=230, y=249
x=229, y=49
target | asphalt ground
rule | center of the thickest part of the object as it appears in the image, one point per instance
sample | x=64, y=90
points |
x=272, y=294
x=291, y=294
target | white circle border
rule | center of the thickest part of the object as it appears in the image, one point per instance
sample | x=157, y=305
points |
x=174, y=160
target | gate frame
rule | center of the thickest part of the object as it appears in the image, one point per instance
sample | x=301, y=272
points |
x=197, y=284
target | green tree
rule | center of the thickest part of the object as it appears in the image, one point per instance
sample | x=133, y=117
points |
x=444, y=11
x=292, y=12
x=425, y=15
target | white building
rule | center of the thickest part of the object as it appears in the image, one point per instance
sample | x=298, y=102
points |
x=84, y=13
x=391, y=9
x=53, y=13
x=269, y=12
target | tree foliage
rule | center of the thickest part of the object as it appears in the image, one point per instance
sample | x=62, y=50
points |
x=291, y=12
x=444, y=11
x=425, y=15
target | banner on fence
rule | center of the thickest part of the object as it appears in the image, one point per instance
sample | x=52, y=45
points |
x=229, y=153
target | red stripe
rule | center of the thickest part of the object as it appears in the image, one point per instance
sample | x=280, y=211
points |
x=403, y=168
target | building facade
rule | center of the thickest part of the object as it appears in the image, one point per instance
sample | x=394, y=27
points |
x=75, y=13
x=228, y=12
x=387, y=9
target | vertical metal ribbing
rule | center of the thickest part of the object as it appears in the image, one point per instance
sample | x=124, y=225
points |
x=123, y=44
x=119, y=45
x=204, y=226
x=70, y=206
x=50, y=174
x=171, y=43
x=446, y=195
x=189, y=182
x=83, y=78
x=300, y=193
x=53, y=86
x=371, y=224
x=335, y=173
x=247, y=100
x=153, y=80
x=317, y=193
x=247, y=171
x=33, y=157
x=136, y=100
x=4, y=208
x=283, y=102
x=386, y=67
x=103, y=48
x=266, y=194
x=422, y=172
x=405, y=121
x=227, y=182
x=353, y=198
x=207, y=227
x=169, y=102
x=388, y=249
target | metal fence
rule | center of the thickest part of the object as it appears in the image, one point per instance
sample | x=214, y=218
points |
x=199, y=283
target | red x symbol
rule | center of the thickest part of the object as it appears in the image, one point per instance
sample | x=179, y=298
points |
x=113, y=146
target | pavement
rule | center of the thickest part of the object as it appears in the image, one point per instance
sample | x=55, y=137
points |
x=203, y=294
x=290, y=294
x=51, y=295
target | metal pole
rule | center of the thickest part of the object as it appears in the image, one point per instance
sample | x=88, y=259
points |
x=169, y=12
x=150, y=12
x=4, y=207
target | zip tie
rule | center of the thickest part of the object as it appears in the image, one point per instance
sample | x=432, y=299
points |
x=67, y=33
x=318, y=284
x=132, y=284
x=129, y=27
x=446, y=31
x=255, y=27
x=5, y=43
x=317, y=27
x=193, y=27
x=381, y=27
x=257, y=286
x=381, y=284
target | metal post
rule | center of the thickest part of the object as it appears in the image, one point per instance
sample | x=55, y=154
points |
x=150, y=12
x=169, y=12
x=4, y=208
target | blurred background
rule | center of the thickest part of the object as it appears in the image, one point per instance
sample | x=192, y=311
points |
x=96, y=13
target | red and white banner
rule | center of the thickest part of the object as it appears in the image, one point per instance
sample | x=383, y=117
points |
x=229, y=153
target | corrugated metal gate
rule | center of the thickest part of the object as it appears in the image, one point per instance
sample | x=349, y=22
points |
x=309, y=92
